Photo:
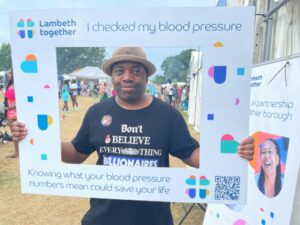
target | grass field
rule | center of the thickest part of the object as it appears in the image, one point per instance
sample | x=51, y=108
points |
x=27, y=209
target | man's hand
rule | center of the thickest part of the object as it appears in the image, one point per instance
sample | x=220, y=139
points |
x=19, y=131
x=246, y=149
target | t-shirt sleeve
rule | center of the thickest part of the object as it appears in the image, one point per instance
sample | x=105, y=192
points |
x=182, y=144
x=82, y=140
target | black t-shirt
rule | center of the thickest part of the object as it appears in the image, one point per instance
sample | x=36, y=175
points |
x=139, y=138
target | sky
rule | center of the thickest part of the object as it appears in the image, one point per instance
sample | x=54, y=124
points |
x=7, y=6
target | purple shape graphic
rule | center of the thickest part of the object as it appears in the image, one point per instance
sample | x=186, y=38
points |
x=239, y=222
x=211, y=72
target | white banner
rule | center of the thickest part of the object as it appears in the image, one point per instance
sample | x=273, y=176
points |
x=225, y=37
x=274, y=124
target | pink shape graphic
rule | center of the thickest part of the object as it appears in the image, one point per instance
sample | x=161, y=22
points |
x=211, y=72
x=227, y=137
x=240, y=222
x=46, y=86
x=261, y=209
x=237, y=101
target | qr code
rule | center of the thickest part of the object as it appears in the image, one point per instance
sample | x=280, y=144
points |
x=227, y=188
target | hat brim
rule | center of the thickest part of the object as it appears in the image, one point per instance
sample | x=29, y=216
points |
x=106, y=67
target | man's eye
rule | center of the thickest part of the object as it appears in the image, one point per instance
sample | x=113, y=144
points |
x=135, y=71
x=117, y=71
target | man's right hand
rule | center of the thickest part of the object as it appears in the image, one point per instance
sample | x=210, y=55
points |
x=19, y=131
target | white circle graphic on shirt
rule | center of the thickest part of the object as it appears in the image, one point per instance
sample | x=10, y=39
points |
x=106, y=120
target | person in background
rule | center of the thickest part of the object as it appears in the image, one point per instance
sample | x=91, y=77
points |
x=170, y=92
x=73, y=93
x=78, y=87
x=65, y=96
x=11, y=111
x=184, y=99
x=151, y=88
x=103, y=91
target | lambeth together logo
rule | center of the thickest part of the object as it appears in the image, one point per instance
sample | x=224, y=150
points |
x=26, y=28
x=192, y=190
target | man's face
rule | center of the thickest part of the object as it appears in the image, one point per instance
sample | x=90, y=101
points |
x=269, y=157
x=129, y=80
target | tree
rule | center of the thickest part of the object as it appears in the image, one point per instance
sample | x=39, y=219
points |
x=5, y=57
x=70, y=59
x=160, y=79
x=176, y=67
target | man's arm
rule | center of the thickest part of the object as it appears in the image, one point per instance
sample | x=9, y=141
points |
x=245, y=150
x=69, y=154
x=194, y=158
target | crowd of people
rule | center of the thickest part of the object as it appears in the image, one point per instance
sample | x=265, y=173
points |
x=70, y=89
x=8, y=109
x=174, y=94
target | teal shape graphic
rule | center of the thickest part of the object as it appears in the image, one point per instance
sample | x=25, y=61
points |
x=20, y=23
x=229, y=146
x=30, y=23
x=203, y=193
x=191, y=180
x=204, y=181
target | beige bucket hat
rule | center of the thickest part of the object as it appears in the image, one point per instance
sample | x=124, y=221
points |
x=131, y=54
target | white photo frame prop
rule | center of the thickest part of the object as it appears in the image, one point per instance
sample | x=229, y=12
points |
x=226, y=38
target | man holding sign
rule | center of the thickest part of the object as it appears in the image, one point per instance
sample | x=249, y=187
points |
x=132, y=129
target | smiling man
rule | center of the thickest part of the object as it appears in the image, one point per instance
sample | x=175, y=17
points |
x=132, y=129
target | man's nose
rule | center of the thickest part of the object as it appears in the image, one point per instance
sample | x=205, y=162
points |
x=127, y=75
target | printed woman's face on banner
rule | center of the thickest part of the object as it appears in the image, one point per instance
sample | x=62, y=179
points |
x=269, y=163
x=269, y=158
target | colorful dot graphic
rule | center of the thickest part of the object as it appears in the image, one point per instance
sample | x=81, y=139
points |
x=29, y=65
x=218, y=44
x=44, y=121
x=240, y=71
x=191, y=180
x=218, y=73
x=203, y=193
x=191, y=192
x=228, y=144
x=29, y=98
x=265, y=220
x=44, y=156
x=210, y=116
x=240, y=222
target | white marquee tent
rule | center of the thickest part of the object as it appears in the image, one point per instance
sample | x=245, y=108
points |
x=90, y=72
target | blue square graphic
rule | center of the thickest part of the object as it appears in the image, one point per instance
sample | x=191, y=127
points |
x=240, y=71
x=210, y=116
x=30, y=98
